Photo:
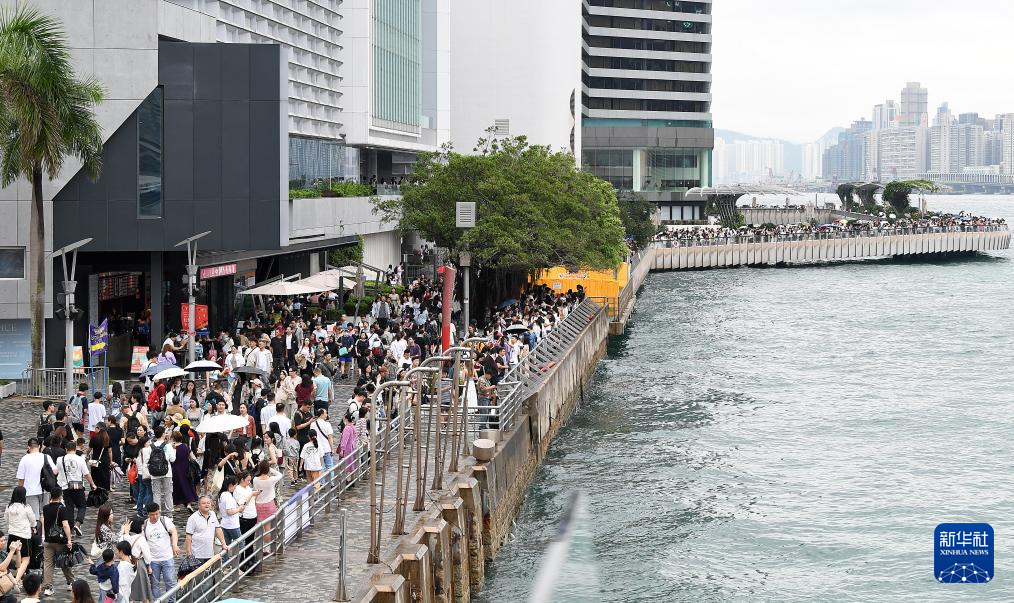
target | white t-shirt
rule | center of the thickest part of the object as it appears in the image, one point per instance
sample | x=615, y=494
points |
x=242, y=495
x=126, y=572
x=226, y=502
x=284, y=424
x=159, y=537
x=73, y=468
x=29, y=469
x=266, y=484
x=311, y=458
x=268, y=413
x=170, y=456
x=96, y=414
x=324, y=429
x=202, y=534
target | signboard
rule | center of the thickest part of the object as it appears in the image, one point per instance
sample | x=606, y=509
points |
x=77, y=359
x=217, y=271
x=15, y=347
x=98, y=337
x=200, y=314
x=138, y=357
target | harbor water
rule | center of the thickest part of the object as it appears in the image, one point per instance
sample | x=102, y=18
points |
x=775, y=434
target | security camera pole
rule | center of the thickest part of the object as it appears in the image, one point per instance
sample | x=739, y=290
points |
x=69, y=285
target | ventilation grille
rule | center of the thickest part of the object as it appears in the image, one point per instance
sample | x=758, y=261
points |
x=502, y=127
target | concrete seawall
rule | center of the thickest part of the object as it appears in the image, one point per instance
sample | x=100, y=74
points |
x=443, y=556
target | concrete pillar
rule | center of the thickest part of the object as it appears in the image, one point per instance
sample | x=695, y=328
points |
x=437, y=535
x=389, y=588
x=468, y=490
x=452, y=509
x=415, y=568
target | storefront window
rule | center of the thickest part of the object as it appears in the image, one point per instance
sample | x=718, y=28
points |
x=12, y=262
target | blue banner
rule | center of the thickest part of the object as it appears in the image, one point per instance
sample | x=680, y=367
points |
x=98, y=337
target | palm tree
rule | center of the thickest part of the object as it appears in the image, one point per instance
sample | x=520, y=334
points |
x=46, y=114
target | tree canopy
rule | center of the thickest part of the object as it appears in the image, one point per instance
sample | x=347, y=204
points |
x=896, y=193
x=636, y=214
x=535, y=209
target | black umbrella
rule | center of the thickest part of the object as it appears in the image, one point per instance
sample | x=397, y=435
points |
x=250, y=370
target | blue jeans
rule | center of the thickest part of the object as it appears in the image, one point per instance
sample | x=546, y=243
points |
x=328, y=460
x=231, y=534
x=163, y=570
x=143, y=496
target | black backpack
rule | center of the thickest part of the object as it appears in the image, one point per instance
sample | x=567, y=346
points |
x=133, y=423
x=45, y=427
x=47, y=477
x=158, y=464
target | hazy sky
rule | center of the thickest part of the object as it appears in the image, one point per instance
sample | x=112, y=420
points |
x=792, y=69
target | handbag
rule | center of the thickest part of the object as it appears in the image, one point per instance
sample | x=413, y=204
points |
x=132, y=474
x=96, y=550
x=217, y=478
x=188, y=564
x=97, y=497
x=6, y=583
x=343, y=351
x=69, y=558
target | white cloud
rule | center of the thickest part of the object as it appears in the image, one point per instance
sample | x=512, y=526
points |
x=794, y=68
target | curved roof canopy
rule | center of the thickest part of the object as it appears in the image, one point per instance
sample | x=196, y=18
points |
x=741, y=189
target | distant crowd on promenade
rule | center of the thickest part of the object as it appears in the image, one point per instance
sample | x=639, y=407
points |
x=675, y=235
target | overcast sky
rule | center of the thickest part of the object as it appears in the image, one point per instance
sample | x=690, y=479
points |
x=792, y=69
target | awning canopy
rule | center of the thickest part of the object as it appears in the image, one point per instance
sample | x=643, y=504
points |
x=329, y=280
x=281, y=288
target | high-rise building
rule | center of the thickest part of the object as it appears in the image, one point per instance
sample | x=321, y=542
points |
x=813, y=154
x=759, y=160
x=723, y=162
x=646, y=96
x=968, y=118
x=885, y=115
x=847, y=160
x=1008, y=144
x=903, y=153
x=943, y=142
x=914, y=108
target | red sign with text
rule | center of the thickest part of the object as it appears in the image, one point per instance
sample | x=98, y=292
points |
x=217, y=271
x=200, y=313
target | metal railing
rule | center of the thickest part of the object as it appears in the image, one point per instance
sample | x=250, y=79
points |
x=52, y=382
x=213, y=580
x=830, y=235
x=520, y=380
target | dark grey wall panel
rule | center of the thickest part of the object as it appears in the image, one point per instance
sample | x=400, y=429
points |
x=207, y=150
x=221, y=158
x=207, y=72
x=236, y=163
x=178, y=151
x=176, y=70
x=235, y=71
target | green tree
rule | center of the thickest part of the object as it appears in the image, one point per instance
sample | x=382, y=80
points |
x=535, y=210
x=46, y=115
x=636, y=214
x=868, y=197
x=896, y=193
x=845, y=192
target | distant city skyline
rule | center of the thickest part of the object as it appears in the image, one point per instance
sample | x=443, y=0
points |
x=801, y=75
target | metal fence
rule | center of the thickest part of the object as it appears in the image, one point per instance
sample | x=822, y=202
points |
x=267, y=540
x=52, y=382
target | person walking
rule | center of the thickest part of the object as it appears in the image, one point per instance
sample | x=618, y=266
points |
x=321, y=390
x=349, y=443
x=21, y=523
x=162, y=538
x=72, y=475
x=30, y=476
x=57, y=520
x=101, y=458
x=158, y=458
x=184, y=490
x=140, y=588
x=230, y=509
x=325, y=438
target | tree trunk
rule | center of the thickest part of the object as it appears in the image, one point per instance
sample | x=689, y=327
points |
x=37, y=243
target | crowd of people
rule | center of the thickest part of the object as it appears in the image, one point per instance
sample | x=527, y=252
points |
x=193, y=492
x=675, y=236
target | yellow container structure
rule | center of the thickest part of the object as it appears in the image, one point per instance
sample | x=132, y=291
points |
x=596, y=283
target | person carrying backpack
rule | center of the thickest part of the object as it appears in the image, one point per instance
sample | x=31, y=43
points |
x=46, y=421
x=158, y=458
x=76, y=408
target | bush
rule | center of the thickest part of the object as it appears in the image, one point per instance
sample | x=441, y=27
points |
x=351, y=189
x=303, y=193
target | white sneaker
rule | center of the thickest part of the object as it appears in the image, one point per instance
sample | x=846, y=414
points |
x=70, y=586
x=48, y=592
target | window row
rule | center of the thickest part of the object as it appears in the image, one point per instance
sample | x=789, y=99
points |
x=622, y=83
x=644, y=44
x=639, y=64
x=669, y=25
x=645, y=104
x=700, y=8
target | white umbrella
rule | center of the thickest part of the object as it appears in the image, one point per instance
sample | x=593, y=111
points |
x=327, y=280
x=221, y=423
x=280, y=288
x=202, y=366
x=169, y=373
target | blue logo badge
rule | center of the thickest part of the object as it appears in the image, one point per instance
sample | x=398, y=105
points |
x=964, y=553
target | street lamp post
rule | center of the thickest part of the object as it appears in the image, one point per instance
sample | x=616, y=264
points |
x=69, y=310
x=191, y=244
